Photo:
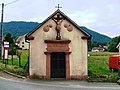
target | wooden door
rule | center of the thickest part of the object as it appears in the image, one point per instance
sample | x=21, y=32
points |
x=58, y=69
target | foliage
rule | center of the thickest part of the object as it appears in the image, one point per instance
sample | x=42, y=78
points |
x=113, y=44
x=19, y=28
x=89, y=45
x=9, y=38
x=12, y=50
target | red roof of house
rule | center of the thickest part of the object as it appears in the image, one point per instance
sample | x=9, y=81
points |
x=19, y=39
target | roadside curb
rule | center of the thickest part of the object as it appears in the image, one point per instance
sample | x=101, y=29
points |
x=14, y=74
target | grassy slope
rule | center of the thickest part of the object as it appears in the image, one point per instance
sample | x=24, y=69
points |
x=15, y=67
x=99, y=68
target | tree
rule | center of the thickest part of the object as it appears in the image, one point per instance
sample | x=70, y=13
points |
x=89, y=45
x=113, y=44
x=9, y=38
x=12, y=48
x=92, y=44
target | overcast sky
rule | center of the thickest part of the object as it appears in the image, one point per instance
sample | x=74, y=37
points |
x=102, y=16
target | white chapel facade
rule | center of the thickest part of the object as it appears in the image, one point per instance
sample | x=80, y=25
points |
x=58, y=49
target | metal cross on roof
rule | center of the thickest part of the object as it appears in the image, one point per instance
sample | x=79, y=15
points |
x=58, y=6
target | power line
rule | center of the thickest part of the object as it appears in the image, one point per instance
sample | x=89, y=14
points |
x=11, y=2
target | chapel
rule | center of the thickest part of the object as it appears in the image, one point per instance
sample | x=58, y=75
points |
x=58, y=49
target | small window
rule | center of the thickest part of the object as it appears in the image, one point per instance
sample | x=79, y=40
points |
x=22, y=45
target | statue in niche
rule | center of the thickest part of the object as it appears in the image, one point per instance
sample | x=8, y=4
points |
x=58, y=20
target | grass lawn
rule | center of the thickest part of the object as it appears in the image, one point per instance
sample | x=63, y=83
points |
x=15, y=67
x=98, y=68
x=23, y=58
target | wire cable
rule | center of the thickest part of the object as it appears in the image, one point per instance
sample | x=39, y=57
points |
x=11, y=2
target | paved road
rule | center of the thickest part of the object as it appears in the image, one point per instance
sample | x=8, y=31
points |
x=7, y=84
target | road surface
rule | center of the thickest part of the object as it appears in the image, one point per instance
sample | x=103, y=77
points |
x=7, y=84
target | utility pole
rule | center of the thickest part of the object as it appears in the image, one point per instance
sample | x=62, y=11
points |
x=1, y=31
x=1, y=28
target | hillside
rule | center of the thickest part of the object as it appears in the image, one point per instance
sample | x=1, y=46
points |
x=17, y=28
x=97, y=36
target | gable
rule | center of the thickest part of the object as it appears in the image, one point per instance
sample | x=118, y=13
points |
x=86, y=34
x=118, y=45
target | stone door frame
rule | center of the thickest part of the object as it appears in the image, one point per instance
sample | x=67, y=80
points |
x=57, y=46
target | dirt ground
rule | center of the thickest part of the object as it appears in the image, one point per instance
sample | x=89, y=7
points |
x=8, y=76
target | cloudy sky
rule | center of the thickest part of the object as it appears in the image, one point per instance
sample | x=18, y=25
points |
x=102, y=16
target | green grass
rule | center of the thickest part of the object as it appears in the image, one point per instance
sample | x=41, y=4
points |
x=24, y=58
x=15, y=67
x=2, y=66
x=102, y=53
x=98, y=68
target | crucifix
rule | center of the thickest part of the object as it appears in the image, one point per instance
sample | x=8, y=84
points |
x=58, y=20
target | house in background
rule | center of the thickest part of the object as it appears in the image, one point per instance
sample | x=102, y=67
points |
x=58, y=49
x=98, y=49
x=20, y=42
x=118, y=46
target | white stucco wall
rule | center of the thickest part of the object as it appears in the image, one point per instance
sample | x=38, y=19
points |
x=26, y=45
x=78, y=47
